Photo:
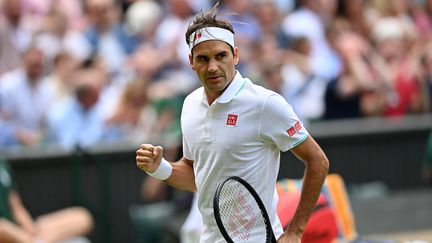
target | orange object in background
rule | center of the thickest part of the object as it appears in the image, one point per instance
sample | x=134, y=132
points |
x=332, y=218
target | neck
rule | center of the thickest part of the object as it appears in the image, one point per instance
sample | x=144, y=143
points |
x=33, y=80
x=211, y=96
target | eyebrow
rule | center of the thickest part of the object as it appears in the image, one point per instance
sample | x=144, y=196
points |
x=222, y=52
x=217, y=54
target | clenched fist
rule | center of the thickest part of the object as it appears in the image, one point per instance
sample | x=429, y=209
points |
x=148, y=157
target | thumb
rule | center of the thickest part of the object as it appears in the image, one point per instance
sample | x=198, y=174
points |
x=158, y=152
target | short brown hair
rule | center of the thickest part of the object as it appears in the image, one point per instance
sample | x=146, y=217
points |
x=207, y=19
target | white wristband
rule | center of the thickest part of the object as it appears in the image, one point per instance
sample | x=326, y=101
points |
x=163, y=171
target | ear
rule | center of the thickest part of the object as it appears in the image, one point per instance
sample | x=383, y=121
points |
x=191, y=61
x=236, y=55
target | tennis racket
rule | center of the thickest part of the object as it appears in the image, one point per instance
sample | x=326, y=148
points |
x=240, y=214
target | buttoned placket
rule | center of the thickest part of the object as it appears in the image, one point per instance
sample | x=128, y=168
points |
x=208, y=121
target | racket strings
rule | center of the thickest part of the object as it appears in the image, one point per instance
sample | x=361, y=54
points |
x=240, y=213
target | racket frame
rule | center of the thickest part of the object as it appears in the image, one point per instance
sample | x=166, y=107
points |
x=251, y=190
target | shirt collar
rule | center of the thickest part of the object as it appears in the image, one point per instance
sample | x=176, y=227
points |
x=232, y=90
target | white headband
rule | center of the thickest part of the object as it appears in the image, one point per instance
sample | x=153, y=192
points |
x=211, y=33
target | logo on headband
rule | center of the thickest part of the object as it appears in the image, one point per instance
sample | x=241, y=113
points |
x=196, y=37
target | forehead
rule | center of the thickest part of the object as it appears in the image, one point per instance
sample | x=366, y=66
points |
x=211, y=47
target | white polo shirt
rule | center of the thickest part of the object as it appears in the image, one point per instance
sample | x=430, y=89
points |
x=240, y=134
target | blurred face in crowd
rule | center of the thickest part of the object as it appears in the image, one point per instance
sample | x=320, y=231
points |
x=88, y=87
x=65, y=65
x=273, y=77
x=180, y=8
x=12, y=11
x=99, y=12
x=214, y=63
x=239, y=6
x=34, y=63
x=266, y=13
x=56, y=22
x=135, y=94
x=390, y=49
x=314, y=5
x=328, y=8
x=400, y=7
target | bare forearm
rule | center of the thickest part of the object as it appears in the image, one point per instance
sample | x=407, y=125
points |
x=313, y=179
x=11, y=233
x=182, y=176
x=20, y=213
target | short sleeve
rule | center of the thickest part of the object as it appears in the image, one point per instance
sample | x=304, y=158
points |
x=186, y=152
x=7, y=185
x=7, y=179
x=280, y=125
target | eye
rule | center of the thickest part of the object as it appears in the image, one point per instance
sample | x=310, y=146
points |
x=201, y=59
x=221, y=56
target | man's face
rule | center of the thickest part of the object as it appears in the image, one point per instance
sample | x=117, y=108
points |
x=214, y=63
x=34, y=63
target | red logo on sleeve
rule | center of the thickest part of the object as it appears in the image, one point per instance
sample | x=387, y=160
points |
x=297, y=126
x=294, y=129
x=231, y=120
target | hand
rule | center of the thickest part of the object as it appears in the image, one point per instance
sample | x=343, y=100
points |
x=148, y=157
x=30, y=228
x=289, y=238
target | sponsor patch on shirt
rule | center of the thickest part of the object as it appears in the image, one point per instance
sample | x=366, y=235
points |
x=294, y=129
x=231, y=120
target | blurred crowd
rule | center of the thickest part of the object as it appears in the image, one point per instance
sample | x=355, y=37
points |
x=85, y=72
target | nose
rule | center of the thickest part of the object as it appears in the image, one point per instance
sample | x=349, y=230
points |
x=212, y=66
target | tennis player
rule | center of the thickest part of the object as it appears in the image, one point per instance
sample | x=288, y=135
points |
x=233, y=127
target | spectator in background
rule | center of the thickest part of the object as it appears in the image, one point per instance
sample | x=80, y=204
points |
x=353, y=12
x=25, y=98
x=328, y=11
x=269, y=19
x=304, y=89
x=36, y=10
x=428, y=10
x=14, y=17
x=17, y=225
x=174, y=78
x=266, y=54
x=155, y=54
x=142, y=18
x=7, y=137
x=55, y=36
x=133, y=119
x=79, y=121
x=306, y=22
x=272, y=76
x=106, y=35
x=50, y=36
x=59, y=79
x=357, y=91
x=392, y=39
x=248, y=30
x=15, y=39
x=169, y=33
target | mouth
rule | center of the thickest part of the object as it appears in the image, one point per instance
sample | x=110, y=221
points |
x=213, y=77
